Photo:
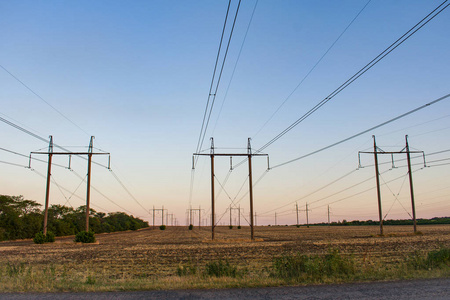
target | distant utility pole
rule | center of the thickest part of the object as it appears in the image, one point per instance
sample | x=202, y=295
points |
x=275, y=218
x=249, y=156
x=239, y=214
x=296, y=209
x=405, y=150
x=328, y=215
x=191, y=219
x=307, y=217
x=162, y=210
x=50, y=154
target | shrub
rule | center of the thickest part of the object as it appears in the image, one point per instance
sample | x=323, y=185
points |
x=49, y=237
x=439, y=258
x=231, y=226
x=434, y=259
x=162, y=227
x=191, y=227
x=39, y=238
x=239, y=227
x=85, y=237
x=220, y=269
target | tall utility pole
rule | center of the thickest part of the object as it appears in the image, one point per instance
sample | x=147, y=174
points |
x=213, y=209
x=275, y=218
x=50, y=153
x=49, y=174
x=411, y=189
x=249, y=156
x=296, y=209
x=377, y=176
x=88, y=189
x=405, y=150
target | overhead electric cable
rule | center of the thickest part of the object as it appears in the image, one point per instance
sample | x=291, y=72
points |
x=220, y=75
x=363, y=132
x=128, y=192
x=311, y=70
x=212, y=80
x=363, y=70
x=46, y=102
x=235, y=65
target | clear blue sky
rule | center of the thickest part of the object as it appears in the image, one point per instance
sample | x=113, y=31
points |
x=136, y=75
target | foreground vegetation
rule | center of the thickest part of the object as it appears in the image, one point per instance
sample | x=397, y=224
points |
x=178, y=258
x=23, y=219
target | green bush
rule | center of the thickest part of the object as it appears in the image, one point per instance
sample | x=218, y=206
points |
x=438, y=258
x=191, y=227
x=39, y=238
x=239, y=227
x=231, y=226
x=162, y=227
x=434, y=259
x=49, y=237
x=85, y=237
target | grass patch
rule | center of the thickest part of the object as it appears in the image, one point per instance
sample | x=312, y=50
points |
x=313, y=267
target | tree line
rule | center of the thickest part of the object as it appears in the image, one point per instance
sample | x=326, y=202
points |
x=437, y=220
x=22, y=219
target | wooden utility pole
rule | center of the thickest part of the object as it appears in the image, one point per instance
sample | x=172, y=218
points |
x=411, y=189
x=49, y=174
x=307, y=217
x=296, y=209
x=250, y=184
x=162, y=214
x=405, y=150
x=249, y=156
x=50, y=153
x=213, y=210
x=191, y=215
x=88, y=188
x=328, y=215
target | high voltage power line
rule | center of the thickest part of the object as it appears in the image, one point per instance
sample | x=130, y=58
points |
x=212, y=95
x=45, y=101
x=363, y=70
x=364, y=131
x=311, y=70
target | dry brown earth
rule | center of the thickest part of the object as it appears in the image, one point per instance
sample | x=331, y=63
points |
x=152, y=252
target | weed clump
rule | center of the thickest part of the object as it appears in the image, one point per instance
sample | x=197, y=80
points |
x=313, y=267
x=85, y=237
x=220, y=269
x=434, y=259
x=191, y=226
x=162, y=227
